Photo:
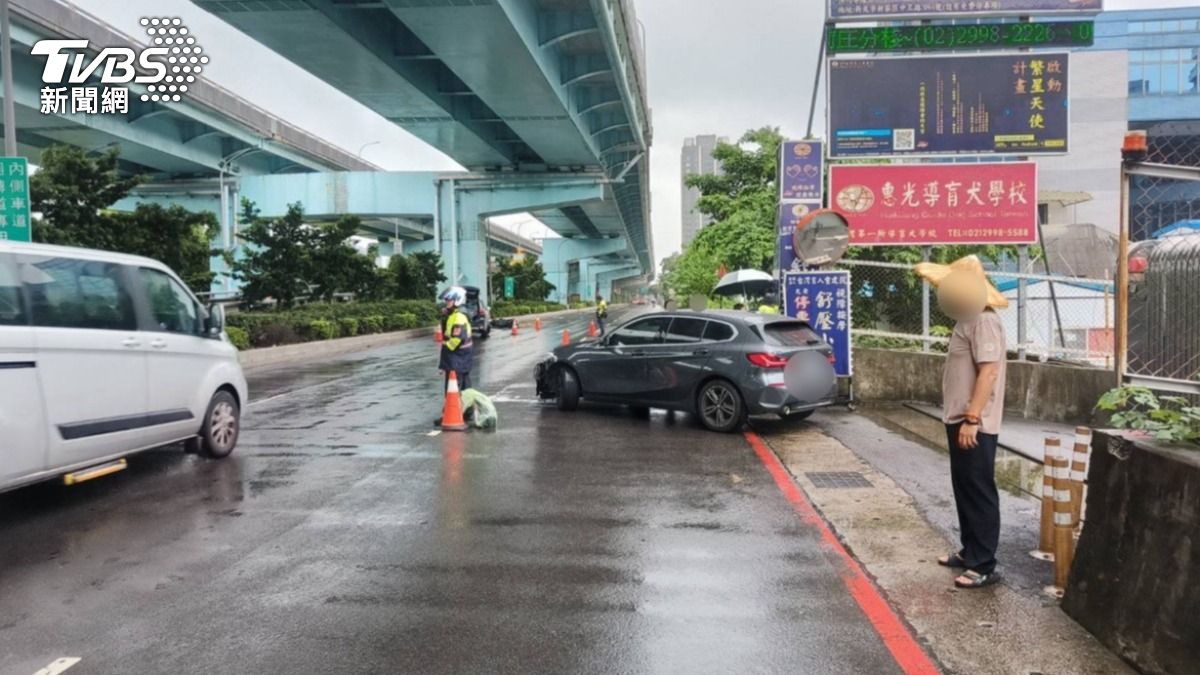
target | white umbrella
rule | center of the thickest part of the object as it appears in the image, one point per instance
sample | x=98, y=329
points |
x=745, y=282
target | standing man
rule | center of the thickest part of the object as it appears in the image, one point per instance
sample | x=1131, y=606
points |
x=457, y=347
x=601, y=313
x=972, y=410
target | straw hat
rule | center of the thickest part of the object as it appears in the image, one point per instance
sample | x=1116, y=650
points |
x=960, y=274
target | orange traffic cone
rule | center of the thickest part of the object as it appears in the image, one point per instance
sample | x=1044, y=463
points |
x=514, y=332
x=452, y=411
x=437, y=334
x=537, y=324
x=592, y=332
x=566, y=338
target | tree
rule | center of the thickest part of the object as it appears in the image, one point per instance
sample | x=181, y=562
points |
x=742, y=201
x=278, y=263
x=74, y=191
x=529, y=280
x=416, y=276
x=338, y=268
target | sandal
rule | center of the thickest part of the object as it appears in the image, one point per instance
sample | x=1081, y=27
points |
x=976, y=580
x=952, y=560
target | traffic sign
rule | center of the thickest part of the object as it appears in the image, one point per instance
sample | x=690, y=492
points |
x=15, y=220
x=510, y=287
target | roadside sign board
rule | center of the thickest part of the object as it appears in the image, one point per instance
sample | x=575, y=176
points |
x=802, y=171
x=510, y=287
x=15, y=219
x=949, y=105
x=871, y=10
x=963, y=36
x=822, y=299
x=926, y=204
x=790, y=215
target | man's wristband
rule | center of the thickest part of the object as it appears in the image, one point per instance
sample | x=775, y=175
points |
x=972, y=420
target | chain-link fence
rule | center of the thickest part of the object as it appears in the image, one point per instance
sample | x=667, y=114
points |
x=1049, y=317
x=1164, y=261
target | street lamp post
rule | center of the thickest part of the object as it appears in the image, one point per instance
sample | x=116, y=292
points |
x=360, y=150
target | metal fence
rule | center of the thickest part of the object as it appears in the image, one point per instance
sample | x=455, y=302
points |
x=1163, y=335
x=1049, y=317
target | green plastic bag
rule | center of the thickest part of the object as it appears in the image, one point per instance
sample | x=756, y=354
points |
x=483, y=410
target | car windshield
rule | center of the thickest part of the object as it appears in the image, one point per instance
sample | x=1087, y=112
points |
x=790, y=334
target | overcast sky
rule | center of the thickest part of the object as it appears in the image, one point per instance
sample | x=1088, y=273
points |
x=715, y=66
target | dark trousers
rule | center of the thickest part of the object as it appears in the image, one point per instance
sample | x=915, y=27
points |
x=973, y=475
x=600, y=324
x=464, y=379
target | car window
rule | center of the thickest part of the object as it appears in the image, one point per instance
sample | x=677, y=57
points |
x=70, y=293
x=718, y=332
x=791, y=334
x=171, y=306
x=12, y=304
x=685, y=330
x=644, y=332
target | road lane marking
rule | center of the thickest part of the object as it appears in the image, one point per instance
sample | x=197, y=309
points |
x=909, y=655
x=59, y=665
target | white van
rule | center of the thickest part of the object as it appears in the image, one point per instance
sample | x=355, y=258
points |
x=103, y=355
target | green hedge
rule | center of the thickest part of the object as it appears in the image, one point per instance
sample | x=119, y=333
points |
x=238, y=337
x=504, y=310
x=330, y=321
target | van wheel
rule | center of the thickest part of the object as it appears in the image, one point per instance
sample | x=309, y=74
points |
x=222, y=424
x=568, y=390
x=720, y=406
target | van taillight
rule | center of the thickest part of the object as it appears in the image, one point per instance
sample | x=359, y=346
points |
x=1138, y=265
x=764, y=360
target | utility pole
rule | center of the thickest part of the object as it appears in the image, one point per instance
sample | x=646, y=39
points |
x=10, y=111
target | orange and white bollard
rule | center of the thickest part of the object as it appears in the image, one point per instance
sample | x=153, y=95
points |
x=514, y=330
x=592, y=330
x=1045, y=549
x=437, y=334
x=566, y=338
x=537, y=324
x=1064, y=524
x=452, y=410
x=1079, y=469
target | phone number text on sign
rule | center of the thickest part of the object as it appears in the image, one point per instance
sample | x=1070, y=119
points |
x=903, y=205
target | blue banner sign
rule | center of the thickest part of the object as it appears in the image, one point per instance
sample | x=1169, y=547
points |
x=871, y=10
x=801, y=170
x=822, y=300
x=790, y=214
x=949, y=105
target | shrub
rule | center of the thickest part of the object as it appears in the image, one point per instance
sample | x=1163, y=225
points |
x=322, y=330
x=238, y=337
x=349, y=326
x=374, y=324
x=1173, y=419
x=406, y=321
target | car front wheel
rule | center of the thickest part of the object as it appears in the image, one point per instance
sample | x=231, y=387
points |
x=222, y=425
x=568, y=390
x=720, y=406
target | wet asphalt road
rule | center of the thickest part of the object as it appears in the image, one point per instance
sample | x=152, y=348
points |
x=342, y=538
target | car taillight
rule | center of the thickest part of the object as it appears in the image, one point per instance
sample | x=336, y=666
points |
x=764, y=360
x=1138, y=265
x=832, y=358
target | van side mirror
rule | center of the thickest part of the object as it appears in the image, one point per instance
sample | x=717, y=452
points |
x=216, y=319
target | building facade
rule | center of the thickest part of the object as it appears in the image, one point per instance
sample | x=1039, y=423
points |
x=696, y=159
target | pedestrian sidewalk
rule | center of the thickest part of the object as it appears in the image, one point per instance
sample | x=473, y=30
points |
x=897, y=516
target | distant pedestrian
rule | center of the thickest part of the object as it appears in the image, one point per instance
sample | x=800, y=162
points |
x=601, y=313
x=770, y=304
x=972, y=410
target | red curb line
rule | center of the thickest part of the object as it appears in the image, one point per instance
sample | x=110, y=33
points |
x=904, y=648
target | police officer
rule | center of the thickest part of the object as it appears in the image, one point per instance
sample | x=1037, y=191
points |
x=601, y=313
x=457, y=347
x=770, y=304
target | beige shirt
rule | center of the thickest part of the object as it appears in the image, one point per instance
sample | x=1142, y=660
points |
x=975, y=341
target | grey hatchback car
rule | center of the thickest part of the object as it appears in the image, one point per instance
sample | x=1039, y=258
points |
x=721, y=366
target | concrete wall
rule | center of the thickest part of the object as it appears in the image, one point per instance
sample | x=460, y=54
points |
x=1039, y=391
x=1135, y=582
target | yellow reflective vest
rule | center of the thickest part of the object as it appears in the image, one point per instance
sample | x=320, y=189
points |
x=768, y=309
x=457, y=331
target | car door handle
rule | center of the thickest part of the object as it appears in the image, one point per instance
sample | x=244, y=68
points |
x=159, y=344
x=132, y=343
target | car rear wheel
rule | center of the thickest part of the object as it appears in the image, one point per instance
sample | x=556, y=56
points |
x=720, y=406
x=568, y=390
x=222, y=425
